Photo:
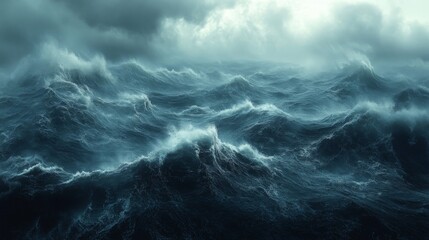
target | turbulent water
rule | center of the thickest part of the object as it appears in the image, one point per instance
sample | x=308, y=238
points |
x=219, y=152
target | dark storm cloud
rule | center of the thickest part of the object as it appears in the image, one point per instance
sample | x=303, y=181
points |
x=135, y=16
x=366, y=30
x=114, y=28
x=22, y=25
x=208, y=30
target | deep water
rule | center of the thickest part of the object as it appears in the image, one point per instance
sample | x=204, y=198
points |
x=213, y=152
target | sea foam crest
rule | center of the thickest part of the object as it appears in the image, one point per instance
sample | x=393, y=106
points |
x=191, y=135
x=51, y=58
x=132, y=98
x=248, y=106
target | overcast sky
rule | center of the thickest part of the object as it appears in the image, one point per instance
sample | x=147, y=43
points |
x=300, y=32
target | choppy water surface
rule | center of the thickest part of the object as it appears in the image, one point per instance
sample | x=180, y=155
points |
x=238, y=152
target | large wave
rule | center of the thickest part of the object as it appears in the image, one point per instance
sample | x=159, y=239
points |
x=96, y=151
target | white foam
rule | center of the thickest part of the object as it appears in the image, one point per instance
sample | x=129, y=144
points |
x=189, y=72
x=386, y=111
x=18, y=166
x=81, y=93
x=42, y=167
x=195, y=108
x=51, y=57
x=132, y=98
x=70, y=61
x=251, y=152
x=162, y=72
x=190, y=135
x=248, y=106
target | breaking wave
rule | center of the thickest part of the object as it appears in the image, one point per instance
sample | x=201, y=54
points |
x=92, y=151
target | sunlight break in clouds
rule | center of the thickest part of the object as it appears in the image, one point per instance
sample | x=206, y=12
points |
x=304, y=31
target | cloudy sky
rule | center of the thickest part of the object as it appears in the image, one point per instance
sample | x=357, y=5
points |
x=300, y=32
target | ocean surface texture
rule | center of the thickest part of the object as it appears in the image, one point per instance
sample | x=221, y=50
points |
x=225, y=151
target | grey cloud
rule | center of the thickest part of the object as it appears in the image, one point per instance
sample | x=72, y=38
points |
x=365, y=30
x=264, y=31
x=121, y=29
x=113, y=28
x=136, y=15
x=22, y=25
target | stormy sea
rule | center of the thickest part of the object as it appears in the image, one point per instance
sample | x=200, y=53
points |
x=90, y=150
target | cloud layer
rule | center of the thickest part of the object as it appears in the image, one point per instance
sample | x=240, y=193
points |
x=332, y=31
x=303, y=32
x=113, y=28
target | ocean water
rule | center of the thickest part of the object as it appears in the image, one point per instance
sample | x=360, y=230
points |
x=225, y=151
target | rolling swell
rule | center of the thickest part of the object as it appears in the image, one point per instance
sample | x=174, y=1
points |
x=130, y=152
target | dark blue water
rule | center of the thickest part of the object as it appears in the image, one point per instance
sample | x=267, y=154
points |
x=213, y=152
